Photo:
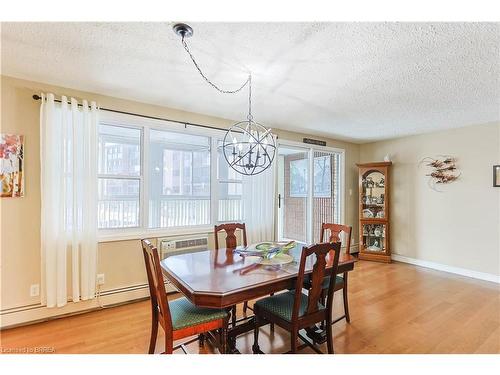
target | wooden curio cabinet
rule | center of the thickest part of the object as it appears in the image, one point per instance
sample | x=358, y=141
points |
x=374, y=217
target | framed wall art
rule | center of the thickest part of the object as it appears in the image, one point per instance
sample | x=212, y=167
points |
x=11, y=165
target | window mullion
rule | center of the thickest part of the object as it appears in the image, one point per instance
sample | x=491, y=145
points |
x=191, y=184
x=144, y=207
x=214, y=183
x=310, y=196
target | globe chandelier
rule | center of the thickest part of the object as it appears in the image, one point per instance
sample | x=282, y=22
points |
x=248, y=147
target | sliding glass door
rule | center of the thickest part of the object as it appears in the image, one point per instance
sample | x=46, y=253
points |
x=309, y=191
x=293, y=189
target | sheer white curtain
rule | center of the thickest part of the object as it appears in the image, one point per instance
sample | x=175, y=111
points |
x=258, y=205
x=68, y=152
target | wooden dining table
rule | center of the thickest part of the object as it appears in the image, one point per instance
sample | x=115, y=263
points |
x=223, y=278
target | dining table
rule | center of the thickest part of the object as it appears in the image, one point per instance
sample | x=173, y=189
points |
x=223, y=278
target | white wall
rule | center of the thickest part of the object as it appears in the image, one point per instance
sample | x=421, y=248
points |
x=460, y=226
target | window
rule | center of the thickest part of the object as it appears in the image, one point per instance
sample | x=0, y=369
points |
x=158, y=175
x=119, y=176
x=322, y=177
x=298, y=177
x=179, y=179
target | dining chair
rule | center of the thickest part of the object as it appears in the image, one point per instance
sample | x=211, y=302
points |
x=179, y=318
x=230, y=228
x=294, y=310
x=335, y=231
x=232, y=243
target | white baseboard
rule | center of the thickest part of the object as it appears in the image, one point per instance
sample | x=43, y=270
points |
x=35, y=313
x=443, y=267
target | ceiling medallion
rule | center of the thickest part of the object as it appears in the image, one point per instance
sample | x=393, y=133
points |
x=248, y=147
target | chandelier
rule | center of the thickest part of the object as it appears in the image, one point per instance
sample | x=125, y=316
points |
x=248, y=147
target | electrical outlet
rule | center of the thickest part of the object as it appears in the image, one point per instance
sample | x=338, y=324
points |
x=171, y=245
x=35, y=290
x=100, y=279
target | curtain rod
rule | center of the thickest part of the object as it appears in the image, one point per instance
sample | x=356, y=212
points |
x=38, y=97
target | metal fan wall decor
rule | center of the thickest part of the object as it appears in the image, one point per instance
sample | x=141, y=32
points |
x=444, y=170
x=248, y=147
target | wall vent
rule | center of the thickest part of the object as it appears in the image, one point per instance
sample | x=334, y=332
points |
x=183, y=244
x=195, y=242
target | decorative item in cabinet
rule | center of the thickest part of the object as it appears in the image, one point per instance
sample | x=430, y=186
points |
x=374, y=237
x=374, y=215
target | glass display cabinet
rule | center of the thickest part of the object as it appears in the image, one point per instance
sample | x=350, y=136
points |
x=374, y=211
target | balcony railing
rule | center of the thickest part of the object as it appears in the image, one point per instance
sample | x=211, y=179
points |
x=122, y=213
x=165, y=213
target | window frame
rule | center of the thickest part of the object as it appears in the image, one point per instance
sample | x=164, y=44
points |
x=146, y=125
x=140, y=177
x=184, y=130
x=313, y=176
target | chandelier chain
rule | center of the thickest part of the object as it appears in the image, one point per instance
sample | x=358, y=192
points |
x=250, y=117
x=248, y=81
x=248, y=147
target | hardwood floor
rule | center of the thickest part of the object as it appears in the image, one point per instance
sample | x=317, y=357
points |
x=395, y=308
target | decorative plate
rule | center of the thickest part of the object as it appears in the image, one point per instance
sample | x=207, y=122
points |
x=265, y=246
x=277, y=260
x=367, y=213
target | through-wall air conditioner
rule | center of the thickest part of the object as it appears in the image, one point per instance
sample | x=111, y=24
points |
x=182, y=244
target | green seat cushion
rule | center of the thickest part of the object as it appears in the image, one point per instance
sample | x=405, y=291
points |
x=282, y=304
x=185, y=314
x=326, y=281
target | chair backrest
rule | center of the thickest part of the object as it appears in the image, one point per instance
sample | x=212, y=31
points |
x=230, y=228
x=159, y=302
x=335, y=231
x=320, y=252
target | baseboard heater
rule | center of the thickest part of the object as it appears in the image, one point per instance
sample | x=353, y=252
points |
x=168, y=286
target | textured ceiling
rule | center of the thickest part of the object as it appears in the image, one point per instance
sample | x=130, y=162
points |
x=354, y=81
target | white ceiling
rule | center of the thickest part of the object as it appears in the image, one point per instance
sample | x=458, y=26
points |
x=353, y=81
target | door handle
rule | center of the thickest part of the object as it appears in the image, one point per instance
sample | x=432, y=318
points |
x=279, y=200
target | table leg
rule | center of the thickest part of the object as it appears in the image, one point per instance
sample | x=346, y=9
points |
x=240, y=329
x=231, y=345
